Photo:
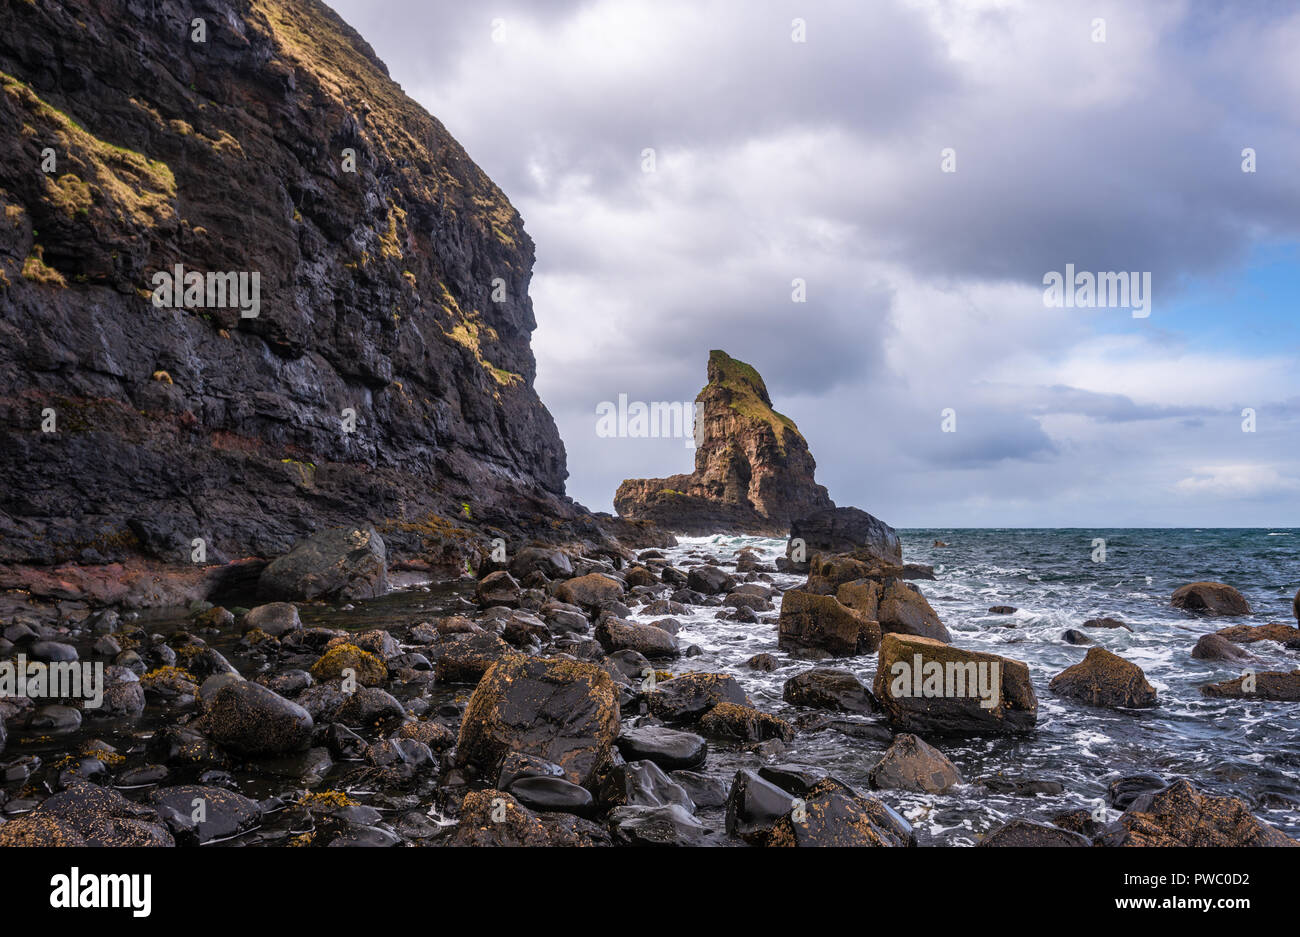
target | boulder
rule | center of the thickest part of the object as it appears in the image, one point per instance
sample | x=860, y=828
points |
x=1210, y=598
x=1106, y=623
x=833, y=814
x=498, y=588
x=592, y=593
x=912, y=765
x=550, y=562
x=928, y=687
x=495, y=818
x=745, y=724
x=1271, y=685
x=1180, y=815
x=1249, y=634
x=565, y=711
x=1217, y=647
x=754, y=806
x=86, y=815
x=342, y=563
x=465, y=658
x=345, y=660
x=861, y=595
x=274, y=618
x=820, y=623
x=829, y=688
x=1105, y=679
x=226, y=814
x=249, y=719
x=687, y=697
x=903, y=610
x=614, y=634
x=670, y=749
x=709, y=580
x=848, y=530
x=669, y=825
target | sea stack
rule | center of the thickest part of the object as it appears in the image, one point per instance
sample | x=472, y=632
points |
x=753, y=471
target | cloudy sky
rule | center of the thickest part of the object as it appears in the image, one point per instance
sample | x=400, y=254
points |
x=824, y=160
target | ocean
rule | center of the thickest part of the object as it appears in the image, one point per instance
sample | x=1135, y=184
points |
x=1250, y=749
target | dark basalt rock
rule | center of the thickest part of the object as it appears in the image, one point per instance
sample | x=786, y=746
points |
x=1217, y=647
x=86, y=815
x=754, y=806
x=670, y=749
x=829, y=688
x=848, y=530
x=342, y=563
x=565, y=711
x=223, y=813
x=546, y=793
x=670, y=825
x=912, y=765
x=753, y=471
x=614, y=634
x=687, y=697
x=1180, y=815
x=833, y=814
x=250, y=719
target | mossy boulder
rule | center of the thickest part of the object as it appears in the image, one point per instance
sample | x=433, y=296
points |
x=820, y=624
x=565, y=711
x=334, y=664
x=1180, y=815
x=249, y=719
x=687, y=697
x=86, y=815
x=1105, y=679
x=341, y=563
x=928, y=687
x=735, y=722
x=1210, y=598
x=1271, y=685
x=834, y=814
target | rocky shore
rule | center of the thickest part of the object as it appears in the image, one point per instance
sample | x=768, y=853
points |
x=549, y=702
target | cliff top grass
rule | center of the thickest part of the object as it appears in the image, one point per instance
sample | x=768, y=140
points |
x=748, y=394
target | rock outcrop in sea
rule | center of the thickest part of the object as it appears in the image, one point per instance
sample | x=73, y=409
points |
x=753, y=471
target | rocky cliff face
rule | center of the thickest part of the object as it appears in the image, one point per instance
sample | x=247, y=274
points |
x=387, y=375
x=753, y=471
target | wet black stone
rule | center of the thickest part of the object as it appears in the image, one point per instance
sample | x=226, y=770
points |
x=668, y=748
x=550, y=793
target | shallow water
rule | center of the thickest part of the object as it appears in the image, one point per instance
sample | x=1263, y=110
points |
x=1248, y=749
